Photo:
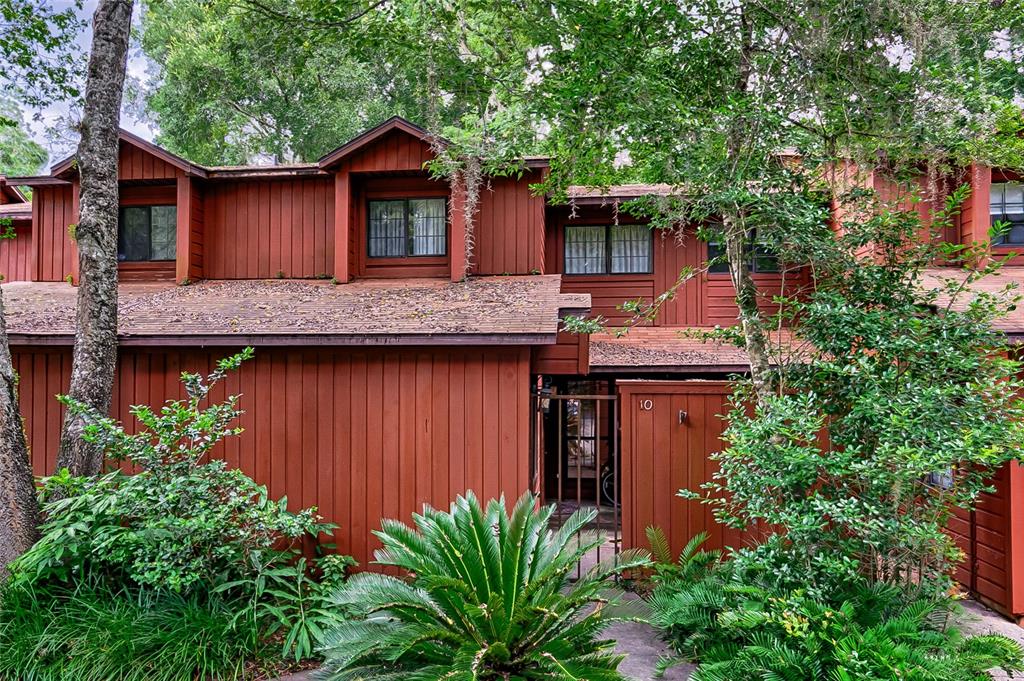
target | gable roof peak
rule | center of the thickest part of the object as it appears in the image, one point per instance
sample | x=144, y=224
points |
x=186, y=166
x=369, y=136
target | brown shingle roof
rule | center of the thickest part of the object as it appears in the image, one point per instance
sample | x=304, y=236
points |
x=996, y=283
x=484, y=310
x=16, y=211
x=620, y=192
x=672, y=349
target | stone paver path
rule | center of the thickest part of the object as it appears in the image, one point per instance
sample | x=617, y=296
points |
x=642, y=646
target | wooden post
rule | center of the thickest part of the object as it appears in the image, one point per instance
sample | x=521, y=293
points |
x=459, y=268
x=342, y=219
x=183, y=229
x=1015, y=539
x=73, y=242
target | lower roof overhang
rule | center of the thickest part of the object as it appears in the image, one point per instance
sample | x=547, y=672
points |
x=295, y=340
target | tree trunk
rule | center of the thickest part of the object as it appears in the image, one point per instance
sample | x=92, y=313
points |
x=755, y=338
x=19, y=510
x=95, y=354
x=736, y=247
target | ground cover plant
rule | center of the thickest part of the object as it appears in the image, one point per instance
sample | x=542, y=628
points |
x=489, y=597
x=738, y=624
x=181, y=569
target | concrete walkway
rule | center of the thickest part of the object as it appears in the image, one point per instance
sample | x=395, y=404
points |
x=643, y=648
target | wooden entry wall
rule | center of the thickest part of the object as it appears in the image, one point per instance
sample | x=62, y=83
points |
x=361, y=433
x=663, y=452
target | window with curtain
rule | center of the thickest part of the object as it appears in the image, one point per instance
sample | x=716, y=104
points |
x=147, y=233
x=608, y=249
x=399, y=228
x=1006, y=205
x=761, y=259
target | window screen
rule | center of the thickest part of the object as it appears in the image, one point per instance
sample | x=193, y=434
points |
x=1006, y=204
x=407, y=227
x=584, y=249
x=762, y=260
x=607, y=249
x=147, y=233
x=631, y=248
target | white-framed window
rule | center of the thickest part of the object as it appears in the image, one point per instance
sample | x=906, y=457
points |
x=608, y=249
x=1006, y=205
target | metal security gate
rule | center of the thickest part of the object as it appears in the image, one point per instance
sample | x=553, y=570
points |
x=576, y=461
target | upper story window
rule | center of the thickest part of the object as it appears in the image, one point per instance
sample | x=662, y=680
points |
x=1006, y=204
x=400, y=228
x=608, y=249
x=761, y=260
x=147, y=233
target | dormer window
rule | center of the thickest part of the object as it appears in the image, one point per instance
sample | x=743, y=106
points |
x=147, y=233
x=407, y=228
x=761, y=259
x=1006, y=205
x=608, y=249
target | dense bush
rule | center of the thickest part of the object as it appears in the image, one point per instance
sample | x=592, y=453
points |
x=737, y=625
x=183, y=563
x=895, y=408
x=489, y=598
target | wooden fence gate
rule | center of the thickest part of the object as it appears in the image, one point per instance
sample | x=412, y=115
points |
x=669, y=429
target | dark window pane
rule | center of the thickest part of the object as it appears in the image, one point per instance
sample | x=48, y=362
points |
x=1006, y=204
x=585, y=249
x=428, y=226
x=715, y=250
x=133, y=235
x=163, y=232
x=387, y=235
x=764, y=260
x=631, y=248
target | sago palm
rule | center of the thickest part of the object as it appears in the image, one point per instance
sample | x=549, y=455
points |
x=488, y=597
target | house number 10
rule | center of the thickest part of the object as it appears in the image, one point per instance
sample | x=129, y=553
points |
x=646, y=405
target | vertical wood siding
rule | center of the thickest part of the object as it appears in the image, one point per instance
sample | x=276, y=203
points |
x=53, y=209
x=395, y=151
x=704, y=300
x=508, y=231
x=16, y=253
x=661, y=456
x=262, y=229
x=362, y=434
x=136, y=164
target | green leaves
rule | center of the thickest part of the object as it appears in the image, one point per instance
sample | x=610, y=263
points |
x=489, y=597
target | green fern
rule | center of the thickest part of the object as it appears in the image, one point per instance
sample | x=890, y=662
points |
x=489, y=598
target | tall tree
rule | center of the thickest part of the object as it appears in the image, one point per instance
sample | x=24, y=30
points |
x=716, y=97
x=95, y=352
x=19, y=153
x=36, y=43
x=237, y=81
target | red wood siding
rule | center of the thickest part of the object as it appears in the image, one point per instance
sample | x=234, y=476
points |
x=264, y=229
x=395, y=151
x=16, y=254
x=568, y=356
x=53, y=209
x=705, y=300
x=367, y=188
x=660, y=456
x=362, y=434
x=136, y=164
x=508, y=231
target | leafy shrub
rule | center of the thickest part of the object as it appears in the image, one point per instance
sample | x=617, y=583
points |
x=193, y=554
x=739, y=629
x=177, y=522
x=489, y=598
x=916, y=388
